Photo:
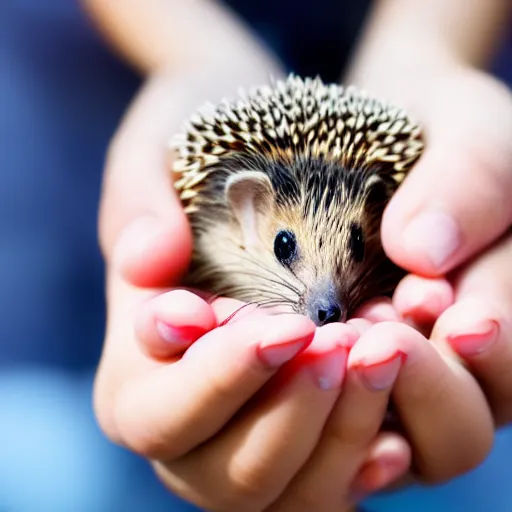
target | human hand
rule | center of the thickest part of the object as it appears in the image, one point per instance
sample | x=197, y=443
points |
x=470, y=313
x=146, y=242
x=455, y=204
x=466, y=175
x=456, y=200
x=428, y=395
x=250, y=429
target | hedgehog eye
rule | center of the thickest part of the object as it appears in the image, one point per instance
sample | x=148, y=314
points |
x=285, y=247
x=357, y=244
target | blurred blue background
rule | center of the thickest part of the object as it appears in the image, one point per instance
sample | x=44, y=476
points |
x=61, y=97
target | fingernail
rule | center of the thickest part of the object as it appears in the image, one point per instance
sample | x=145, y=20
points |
x=276, y=355
x=420, y=301
x=477, y=341
x=182, y=335
x=435, y=235
x=328, y=369
x=381, y=375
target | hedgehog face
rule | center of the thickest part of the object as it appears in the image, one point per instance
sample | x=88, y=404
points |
x=316, y=246
x=328, y=242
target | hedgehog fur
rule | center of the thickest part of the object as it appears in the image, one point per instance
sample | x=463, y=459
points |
x=317, y=162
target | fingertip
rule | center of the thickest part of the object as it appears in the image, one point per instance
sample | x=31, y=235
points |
x=335, y=334
x=151, y=252
x=421, y=299
x=361, y=325
x=422, y=244
x=429, y=226
x=388, y=460
x=469, y=327
x=419, y=229
x=168, y=324
x=376, y=310
x=384, y=343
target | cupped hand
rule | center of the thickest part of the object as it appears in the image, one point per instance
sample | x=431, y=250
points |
x=450, y=218
x=254, y=398
x=166, y=406
x=271, y=437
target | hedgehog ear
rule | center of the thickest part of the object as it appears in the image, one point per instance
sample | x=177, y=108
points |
x=249, y=193
x=377, y=189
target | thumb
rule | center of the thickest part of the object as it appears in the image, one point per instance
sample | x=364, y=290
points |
x=456, y=200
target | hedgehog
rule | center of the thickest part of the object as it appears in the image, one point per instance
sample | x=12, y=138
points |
x=285, y=187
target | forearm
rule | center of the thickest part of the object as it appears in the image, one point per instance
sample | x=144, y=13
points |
x=180, y=35
x=411, y=39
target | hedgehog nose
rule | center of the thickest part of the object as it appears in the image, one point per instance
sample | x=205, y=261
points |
x=328, y=315
x=325, y=310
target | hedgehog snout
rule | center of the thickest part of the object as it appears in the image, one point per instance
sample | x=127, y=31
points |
x=323, y=306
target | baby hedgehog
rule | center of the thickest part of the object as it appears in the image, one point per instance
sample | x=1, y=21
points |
x=285, y=189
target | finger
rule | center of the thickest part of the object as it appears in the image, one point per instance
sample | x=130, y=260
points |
x=172, y=409
x=360, y=324
x=456, y=199
x=122, y=360
x=388, y=459
x=380, y=309
x=440, y=405
x=324, y=483
x=137, y=187
x=249, y=464
x=479, y=329
x=152, y=251
x=169, y=323
x=420, y=301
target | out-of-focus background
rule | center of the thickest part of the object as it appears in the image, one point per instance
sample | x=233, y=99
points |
x=61, y=96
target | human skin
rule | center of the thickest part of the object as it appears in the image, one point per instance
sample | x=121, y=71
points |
x=136, y=187
x=455, y=206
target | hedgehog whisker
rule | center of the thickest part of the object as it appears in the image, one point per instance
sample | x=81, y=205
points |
x=249, y=292
x=241, y=271
x=253, y=274
x=257, y=304
x=248, y=257
x=251, y=258
x=280, y=280
x=253, y=291
x=256, y=293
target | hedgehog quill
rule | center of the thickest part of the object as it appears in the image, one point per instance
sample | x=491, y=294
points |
x=285, y=188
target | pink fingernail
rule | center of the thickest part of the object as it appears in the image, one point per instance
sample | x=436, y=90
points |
x=476, y=342
x=422, y=306
x=328, y=369
x=435, y=235
x=276, y=355
x=182, y=335
x=381, y=375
